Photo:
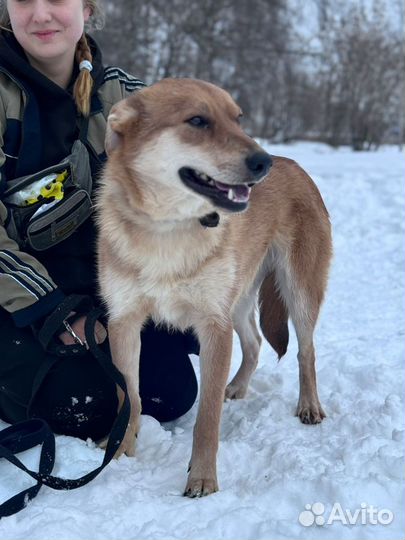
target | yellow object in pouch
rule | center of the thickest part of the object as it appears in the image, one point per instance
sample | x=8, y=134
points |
x=49, y=187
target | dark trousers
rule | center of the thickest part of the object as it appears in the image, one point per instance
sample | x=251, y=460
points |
x=75, y=396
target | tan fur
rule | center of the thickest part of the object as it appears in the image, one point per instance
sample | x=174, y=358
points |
x=157, y=260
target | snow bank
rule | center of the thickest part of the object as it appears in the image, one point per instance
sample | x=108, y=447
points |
x=270, y=466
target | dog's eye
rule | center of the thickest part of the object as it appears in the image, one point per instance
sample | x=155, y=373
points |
x=198, y=121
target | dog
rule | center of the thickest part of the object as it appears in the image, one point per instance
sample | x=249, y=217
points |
x=196, y=221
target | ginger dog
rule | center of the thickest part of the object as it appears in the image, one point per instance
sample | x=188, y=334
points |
x=196, y=222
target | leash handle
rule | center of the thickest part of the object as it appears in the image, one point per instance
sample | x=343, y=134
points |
x=29, y=433
x=21, y=437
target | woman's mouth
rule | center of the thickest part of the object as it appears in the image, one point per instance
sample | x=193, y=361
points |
x=45, y=35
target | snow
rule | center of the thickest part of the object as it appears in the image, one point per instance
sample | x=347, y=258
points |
x=270, y=466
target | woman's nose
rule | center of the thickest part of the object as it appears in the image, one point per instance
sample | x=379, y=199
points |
x=41, y=12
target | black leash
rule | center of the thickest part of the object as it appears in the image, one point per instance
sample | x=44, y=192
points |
x=30, y=433
x=19, y=438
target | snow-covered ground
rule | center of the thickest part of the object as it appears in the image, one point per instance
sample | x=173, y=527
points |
x=271, y=467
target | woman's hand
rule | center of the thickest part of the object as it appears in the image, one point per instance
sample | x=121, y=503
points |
x=100, y=333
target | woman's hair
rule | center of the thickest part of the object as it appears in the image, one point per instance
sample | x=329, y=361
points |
x=4, y=18
x=84, y=82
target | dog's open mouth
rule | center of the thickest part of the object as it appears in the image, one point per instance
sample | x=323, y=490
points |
x=232, y=197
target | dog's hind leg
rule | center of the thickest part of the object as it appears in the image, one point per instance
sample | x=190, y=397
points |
x=301, y=280
x=245, y=325
x=309, y=409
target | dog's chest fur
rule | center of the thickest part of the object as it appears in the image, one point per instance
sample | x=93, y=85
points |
x=174, y=276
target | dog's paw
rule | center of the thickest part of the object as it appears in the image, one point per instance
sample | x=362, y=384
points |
x=103, y=443
x=197, y=487
x=310, y=413
x=235, y=391
x=128, y=445
x=128, y=450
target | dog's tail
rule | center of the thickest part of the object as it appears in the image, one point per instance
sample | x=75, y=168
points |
x=273, y=315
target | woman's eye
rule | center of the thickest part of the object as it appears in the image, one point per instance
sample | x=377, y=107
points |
x=198, y=121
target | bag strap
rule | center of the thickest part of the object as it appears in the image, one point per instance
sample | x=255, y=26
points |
x=29, y=433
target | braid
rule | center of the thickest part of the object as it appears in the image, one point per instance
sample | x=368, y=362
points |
x=84, y=82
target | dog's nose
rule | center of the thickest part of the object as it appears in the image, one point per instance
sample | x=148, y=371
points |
x=259, y=164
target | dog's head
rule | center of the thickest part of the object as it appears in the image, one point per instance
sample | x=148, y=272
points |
x=181, y=142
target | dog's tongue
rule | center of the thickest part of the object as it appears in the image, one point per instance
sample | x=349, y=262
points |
x=237, y=193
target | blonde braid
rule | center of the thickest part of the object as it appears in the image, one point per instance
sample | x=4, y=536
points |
x=84, y=82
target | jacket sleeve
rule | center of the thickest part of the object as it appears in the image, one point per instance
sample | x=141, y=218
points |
x=127, y=83
x=26, y=290
x=130, y=85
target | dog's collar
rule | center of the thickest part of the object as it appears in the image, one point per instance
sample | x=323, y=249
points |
x=210, y=220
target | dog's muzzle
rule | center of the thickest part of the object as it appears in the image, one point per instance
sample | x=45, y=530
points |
x=232, y=197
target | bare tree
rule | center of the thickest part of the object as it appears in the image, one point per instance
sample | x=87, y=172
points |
x=347, y=89
x=361, y=74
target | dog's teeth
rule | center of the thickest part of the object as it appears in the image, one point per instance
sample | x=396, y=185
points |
x=203, y=176
x=231, y=194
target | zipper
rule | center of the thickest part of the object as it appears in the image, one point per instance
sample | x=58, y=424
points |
x=30, y=179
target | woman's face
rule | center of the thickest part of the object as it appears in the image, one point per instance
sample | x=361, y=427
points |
x=48, y=30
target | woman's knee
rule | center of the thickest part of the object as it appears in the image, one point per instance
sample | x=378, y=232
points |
x=168, y=385
x=77, y=398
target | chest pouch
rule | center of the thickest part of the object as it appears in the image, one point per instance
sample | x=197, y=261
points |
x=45, y=208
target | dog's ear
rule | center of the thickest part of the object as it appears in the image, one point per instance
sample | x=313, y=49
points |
x=122, y=114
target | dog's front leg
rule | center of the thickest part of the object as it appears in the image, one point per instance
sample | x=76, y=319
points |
x=215, y=356
x=125, y=341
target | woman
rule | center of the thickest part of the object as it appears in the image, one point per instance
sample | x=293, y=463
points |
x=55, y=96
